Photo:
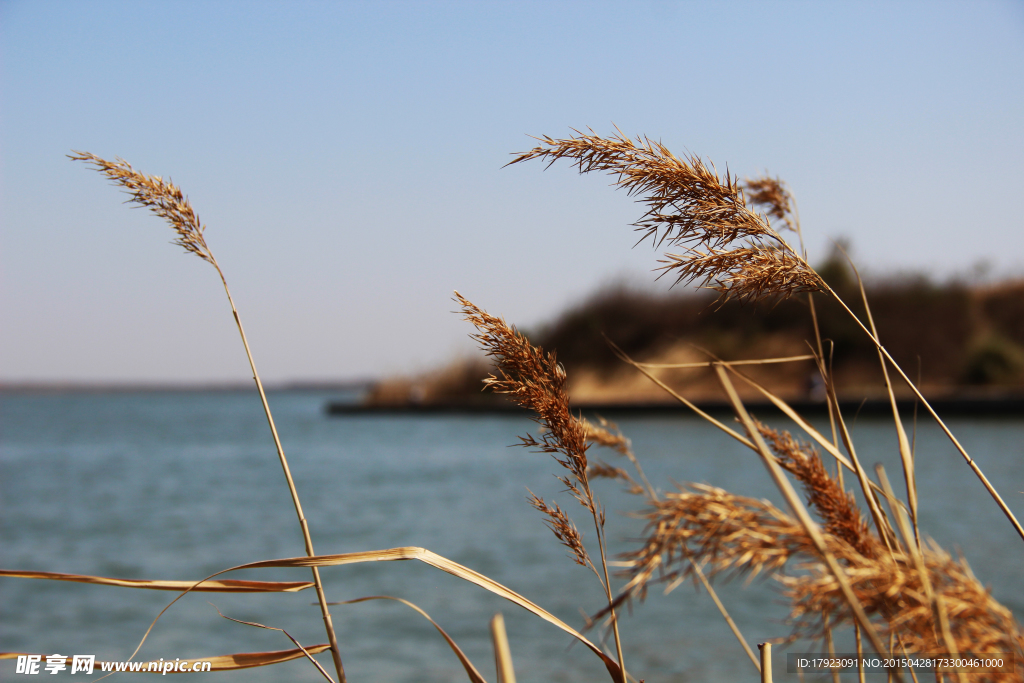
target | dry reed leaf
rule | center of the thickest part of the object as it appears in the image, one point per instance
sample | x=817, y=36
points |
x=226, y=586
x=712, y=363
x=239, y=660
x=671, y=392
x=445, y=565
x=471, y=670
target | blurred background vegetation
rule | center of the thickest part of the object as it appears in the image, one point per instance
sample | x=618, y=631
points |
x=960, y=339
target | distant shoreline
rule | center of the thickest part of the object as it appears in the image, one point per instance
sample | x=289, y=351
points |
x=154, y=387
x=991, y=406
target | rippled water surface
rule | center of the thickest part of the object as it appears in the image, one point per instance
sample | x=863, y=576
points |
x=178, y=485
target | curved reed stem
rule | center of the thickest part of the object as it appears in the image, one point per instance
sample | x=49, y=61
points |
x=166, y=200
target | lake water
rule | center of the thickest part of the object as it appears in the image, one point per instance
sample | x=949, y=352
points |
x=178, y=485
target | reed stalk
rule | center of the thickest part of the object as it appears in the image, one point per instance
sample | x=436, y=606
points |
x=535, y=380
x=167, y=201
x=766, y=662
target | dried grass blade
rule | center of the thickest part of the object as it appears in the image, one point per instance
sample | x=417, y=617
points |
x=225, y=586
x=305, y=652
x=445, y=565
x=411, y=553
x=625, y=358
x=797, y=506
x=471, y=671
x=502, y=652
x=708, y=364
x=248, y=660
x=793, y=415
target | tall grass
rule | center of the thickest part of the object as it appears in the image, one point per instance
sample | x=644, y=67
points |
x=841, y=566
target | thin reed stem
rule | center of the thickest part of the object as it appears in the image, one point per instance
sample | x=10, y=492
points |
x=599, y=527
x=799, y=511
x=166, y=200
x=901, y=434
x=831, y=646
x=725, y=614
x=303, y=524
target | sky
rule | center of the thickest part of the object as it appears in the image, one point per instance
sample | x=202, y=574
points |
x=348, y=161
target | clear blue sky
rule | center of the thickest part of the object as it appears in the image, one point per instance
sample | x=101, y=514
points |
x=347, y=160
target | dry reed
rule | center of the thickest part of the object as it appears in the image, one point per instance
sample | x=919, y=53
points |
x=567, y=442
x=535, y=380
x=167, y=201
x=728, y=247
x=836, y=572
x=842, y=572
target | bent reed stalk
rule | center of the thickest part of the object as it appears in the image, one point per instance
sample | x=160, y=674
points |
x=166, y=200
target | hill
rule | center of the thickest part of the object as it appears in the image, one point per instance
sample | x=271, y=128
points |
x=961, y=340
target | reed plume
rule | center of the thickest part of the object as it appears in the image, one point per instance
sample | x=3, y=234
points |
x=740, y=536
x=727, y=246
x=564, y=530
x=162, y=197
x=772, y=195
x=835, y=507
